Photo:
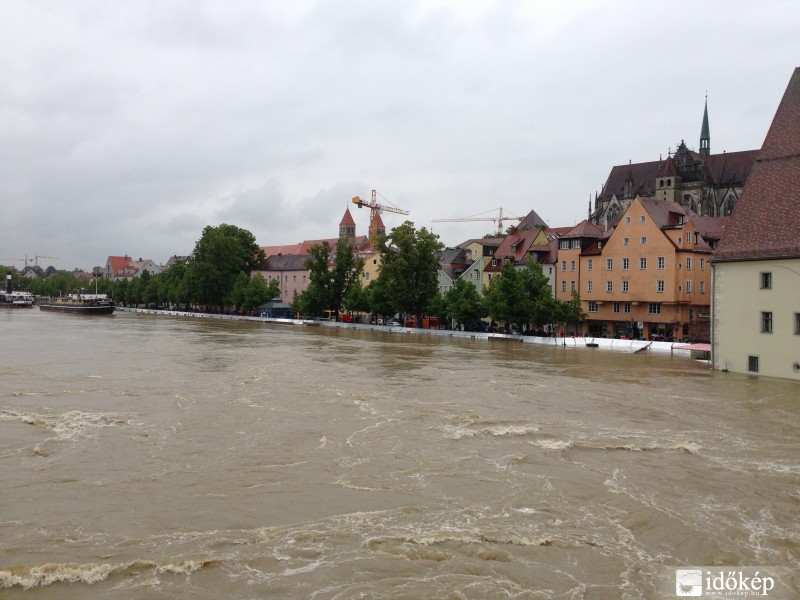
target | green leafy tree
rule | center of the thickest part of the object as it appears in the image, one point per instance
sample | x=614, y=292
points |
x=410, y=266
x=504, y=297
x=379, y=298
x=464, y=304
x=220, y=255
x=357, y=299
x=330, y=278
x=539, y=298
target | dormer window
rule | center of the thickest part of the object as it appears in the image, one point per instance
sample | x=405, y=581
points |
x=514, y=248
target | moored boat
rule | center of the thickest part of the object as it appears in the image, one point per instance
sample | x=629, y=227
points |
x=81, y=304
x=11, y=299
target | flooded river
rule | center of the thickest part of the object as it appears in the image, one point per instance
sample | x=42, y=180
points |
x=162, y=457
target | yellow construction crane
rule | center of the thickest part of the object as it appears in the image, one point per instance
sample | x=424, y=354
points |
x=374, y=215
x=498, y=219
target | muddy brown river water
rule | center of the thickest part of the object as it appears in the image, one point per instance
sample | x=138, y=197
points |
x=165, y=457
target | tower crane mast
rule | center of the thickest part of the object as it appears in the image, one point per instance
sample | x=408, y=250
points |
x=498, y=219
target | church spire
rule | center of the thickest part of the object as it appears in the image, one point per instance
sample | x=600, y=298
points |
x=705, y=135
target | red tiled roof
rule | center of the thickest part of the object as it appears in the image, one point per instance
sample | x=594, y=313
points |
x=731, y=167
x=281, y=250
x=643, y=176
x=663, y=213
x=667, y=168
x=347, y=219
x=584, y=229
x=766, y=222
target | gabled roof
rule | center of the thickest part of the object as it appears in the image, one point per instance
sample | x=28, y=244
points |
x=584, y=229
x=532, y=221
x=290, y=262
x=664, y=214
x=515, y=246
x=766, y=222
x=453, y=256
x=643, y=176
x=277, y=250
x=492, y=242
x=730, y=168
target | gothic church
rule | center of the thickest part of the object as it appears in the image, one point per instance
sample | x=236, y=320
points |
x=704, y=183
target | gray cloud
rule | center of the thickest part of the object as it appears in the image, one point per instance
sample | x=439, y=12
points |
x=128, y=127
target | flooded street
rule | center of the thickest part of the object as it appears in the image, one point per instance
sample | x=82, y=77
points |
x=162, y=457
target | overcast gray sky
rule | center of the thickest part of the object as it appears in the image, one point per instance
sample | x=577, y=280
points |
x=128, y=126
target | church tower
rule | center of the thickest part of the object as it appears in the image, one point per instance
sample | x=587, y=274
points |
x=705, y=135
x=347, y=226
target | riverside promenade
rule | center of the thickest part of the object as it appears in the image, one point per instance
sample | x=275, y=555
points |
x=588, y=343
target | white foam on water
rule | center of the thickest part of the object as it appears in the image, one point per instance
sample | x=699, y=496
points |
x=552, y=444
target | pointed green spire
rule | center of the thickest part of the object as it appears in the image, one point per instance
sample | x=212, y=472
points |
x=705, y=134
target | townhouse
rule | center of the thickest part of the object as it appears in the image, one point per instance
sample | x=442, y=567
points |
x=648, y=277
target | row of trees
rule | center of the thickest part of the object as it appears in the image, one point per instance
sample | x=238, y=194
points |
x=218, y=277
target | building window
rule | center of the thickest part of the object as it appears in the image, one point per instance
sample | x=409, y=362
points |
x=366, y=277
x=641, y=219
x=294, y=278
x=654, y=308
x=661, y=263
x=766, y=322
x=752, y=364
x=494, y=262
x=626, y=308
x=609, y=286
x=589, y=264
x=625, y=241
x=680, y=240
x=572, y=286
x=576, y=244
x=563, y=286
x=572, y=266
x=609, y=264
x=702, y=287
x=625, y=287
x=643, y=239
x=660, y=286
x=688, y=286
x=688, y=237
x=563, y=244
x=643, y=263
x=766, y=281
x=589, y=286
x=688, y=263
x=563, y=266
x=304, y=277
x=615, y=308
x=592, y=306
x=627, y=219
x=625, y=264
x=702, y=264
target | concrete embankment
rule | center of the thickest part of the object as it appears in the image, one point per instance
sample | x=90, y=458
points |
x=588, y=343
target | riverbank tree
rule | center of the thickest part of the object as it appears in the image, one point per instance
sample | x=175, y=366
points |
x=410, y=268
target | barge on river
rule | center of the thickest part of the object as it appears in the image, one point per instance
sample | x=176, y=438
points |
x=81, y=304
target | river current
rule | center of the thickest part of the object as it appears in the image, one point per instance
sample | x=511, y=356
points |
x=165, y=457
